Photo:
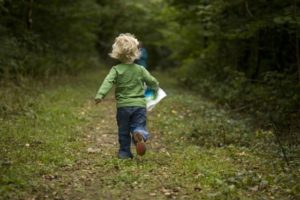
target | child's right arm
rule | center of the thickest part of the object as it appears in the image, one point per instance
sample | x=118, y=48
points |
x=107, y=84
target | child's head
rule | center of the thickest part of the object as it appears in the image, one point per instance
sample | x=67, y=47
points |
x=125, y=48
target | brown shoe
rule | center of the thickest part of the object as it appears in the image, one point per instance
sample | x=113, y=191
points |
x=140, y=143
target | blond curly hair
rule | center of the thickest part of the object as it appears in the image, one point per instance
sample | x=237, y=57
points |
x=125, y=48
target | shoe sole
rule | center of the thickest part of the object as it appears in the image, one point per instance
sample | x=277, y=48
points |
x=140, y=144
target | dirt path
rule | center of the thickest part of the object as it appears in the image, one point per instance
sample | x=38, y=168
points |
x=95, y=173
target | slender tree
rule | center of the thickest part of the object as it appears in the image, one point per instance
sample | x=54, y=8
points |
x=29, y=19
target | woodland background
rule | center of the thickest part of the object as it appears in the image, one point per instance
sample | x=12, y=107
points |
x=241, y=54
x=229, y=128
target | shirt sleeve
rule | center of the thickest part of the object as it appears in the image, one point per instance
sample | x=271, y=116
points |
x=150, y=81
x=107, y=84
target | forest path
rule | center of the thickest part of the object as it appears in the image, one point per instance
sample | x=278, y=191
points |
x=196, y=151
x=100, y=174
x=97, y=172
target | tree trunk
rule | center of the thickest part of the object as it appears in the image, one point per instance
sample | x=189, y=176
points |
x=297, y=42
x=297, y=54
x=29, y=15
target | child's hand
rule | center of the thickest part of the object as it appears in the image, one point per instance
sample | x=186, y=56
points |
x=98, y=101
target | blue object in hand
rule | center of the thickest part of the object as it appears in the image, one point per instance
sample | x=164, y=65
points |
x=149, y=94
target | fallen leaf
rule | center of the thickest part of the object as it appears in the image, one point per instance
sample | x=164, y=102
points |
x=153, y=194
x=91, y=150
x=254, y=189
x=166, y=192
x=242, y=154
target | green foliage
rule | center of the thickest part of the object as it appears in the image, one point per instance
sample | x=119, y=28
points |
x=243, y=54
x=145, y=19
x=61, y=38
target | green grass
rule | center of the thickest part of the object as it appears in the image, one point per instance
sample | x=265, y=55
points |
x=39, y=130
x=197, y=150
x=234, y=160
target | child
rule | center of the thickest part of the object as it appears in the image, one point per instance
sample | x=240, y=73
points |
x=129, y=79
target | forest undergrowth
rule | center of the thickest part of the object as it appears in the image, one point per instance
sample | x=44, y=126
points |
x=55, y=143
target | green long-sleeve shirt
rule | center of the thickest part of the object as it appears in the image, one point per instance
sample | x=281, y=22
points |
x=129, y=82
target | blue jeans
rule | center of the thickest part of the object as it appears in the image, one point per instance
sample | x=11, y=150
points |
x=130, y=119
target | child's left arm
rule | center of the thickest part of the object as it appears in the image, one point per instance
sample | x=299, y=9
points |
x=106, y=85
x=151, y=82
